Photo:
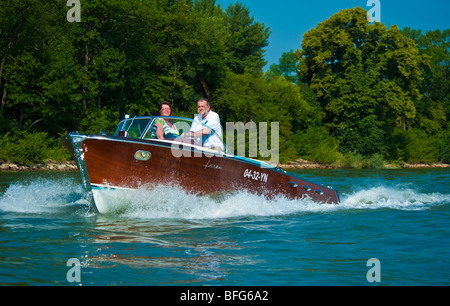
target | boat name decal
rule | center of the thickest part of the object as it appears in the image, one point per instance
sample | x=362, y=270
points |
x=209, y=165
x=256, y=175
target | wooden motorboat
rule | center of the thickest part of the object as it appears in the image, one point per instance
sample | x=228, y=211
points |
x=134, y=158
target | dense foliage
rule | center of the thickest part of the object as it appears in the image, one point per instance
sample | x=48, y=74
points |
x=353, y=91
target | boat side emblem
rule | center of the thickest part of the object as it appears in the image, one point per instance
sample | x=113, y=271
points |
x=142, y=155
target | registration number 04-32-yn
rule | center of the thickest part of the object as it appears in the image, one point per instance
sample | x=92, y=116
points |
x=256, y=175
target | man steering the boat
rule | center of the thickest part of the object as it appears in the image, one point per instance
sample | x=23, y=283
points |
x=210, y=138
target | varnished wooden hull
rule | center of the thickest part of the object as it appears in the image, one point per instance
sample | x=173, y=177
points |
x=119, y=162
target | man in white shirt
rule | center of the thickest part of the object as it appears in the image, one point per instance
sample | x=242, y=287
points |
x=212, y=120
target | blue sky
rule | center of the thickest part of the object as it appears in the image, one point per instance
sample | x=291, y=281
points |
x=290, y=19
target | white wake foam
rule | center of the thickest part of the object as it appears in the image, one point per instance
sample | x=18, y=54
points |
x=41, y=196
x=173, y=202
x=393, y=197
x=44, y=196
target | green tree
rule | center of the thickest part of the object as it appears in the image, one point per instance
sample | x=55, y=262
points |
x=287, y=67
x=21, y=28
x=420, y=147
x=365, y=77
x=355, y=87
x=316, y=144
x=444, y=153
x=24, y=43
x=207, y=50
x=247, y=40
x=434, y=107
x=250, y=98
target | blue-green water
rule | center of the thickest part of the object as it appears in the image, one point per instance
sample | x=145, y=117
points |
x=168, y=237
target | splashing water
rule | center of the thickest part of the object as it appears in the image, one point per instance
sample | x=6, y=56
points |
x=164, y=235
x=42, y=196
x=394, y=198
x=50, y=196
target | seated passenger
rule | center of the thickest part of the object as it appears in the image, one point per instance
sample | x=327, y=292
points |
x=164, y=128
x=205, y=115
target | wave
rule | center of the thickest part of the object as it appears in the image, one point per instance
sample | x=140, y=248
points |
x=50, y=197
x=399, y=197
x=42, y=196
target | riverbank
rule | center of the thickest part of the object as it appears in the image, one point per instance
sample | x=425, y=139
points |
x=51, y=165
x=48, y=165
x=305, y=164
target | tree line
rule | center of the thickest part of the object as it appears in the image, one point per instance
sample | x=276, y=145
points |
x=352, y=90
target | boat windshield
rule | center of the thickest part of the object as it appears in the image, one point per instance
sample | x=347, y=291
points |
x=173, y=128
x=132, y=127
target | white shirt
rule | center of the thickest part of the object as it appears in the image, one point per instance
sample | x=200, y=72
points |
x=212, y=120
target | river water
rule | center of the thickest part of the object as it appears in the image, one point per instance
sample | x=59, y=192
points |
x=391, y=228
